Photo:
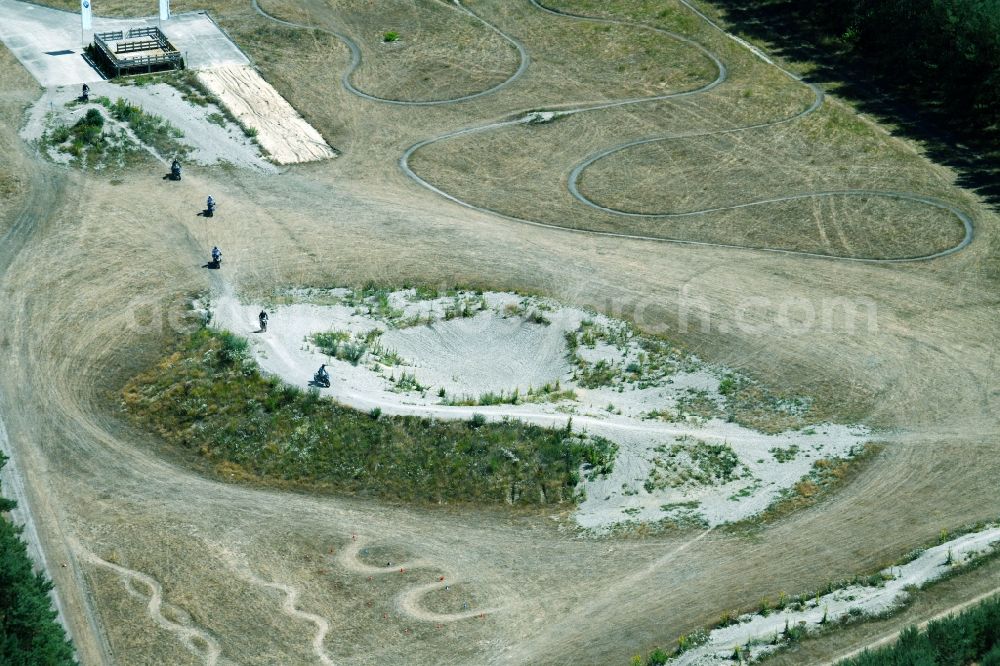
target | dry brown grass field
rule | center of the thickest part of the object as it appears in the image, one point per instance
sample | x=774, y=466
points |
x=96, y=272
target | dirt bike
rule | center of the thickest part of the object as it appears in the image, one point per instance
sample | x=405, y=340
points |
x=320, y=379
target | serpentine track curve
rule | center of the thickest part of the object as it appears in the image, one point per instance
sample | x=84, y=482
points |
x=577, y=172
x=352, y=46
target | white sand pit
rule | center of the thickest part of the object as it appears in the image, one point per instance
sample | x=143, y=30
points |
x=469, y=357
x=683, y=455
x=281, y=131
x=757, y=635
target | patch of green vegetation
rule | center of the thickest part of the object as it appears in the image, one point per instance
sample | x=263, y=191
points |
x=694, y=464
x=655, y=361
x=463, y=307
x=329, y=342
x=700, y=403
x=784, y=455
x=661, y=415
x=550, y=392
x=536, y=317
x=488, y=398
x=89, y=143
x=680, y=506
x=206, y=397
x=354, y=348
x=148, y=128
x=745, y=491
x=969, y=637
x=390, y=36
x=747, y=403
x=408, y=382
x=424, y=293
x=826, y=475
x=29, y=633
x=602, y=373
x=216, y=119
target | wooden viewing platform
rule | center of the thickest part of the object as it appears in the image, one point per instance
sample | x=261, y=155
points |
x=139, y=51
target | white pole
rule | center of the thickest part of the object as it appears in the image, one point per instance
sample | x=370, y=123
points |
x=85, y=14
x=164, y=10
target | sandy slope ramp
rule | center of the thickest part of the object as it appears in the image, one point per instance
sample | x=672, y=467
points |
x=281, y=131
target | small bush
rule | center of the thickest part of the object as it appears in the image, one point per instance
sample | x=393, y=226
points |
x=658, y=657
x=234, y=349
x=390, y=36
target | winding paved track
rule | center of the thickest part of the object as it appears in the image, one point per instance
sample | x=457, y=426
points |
x=577, y=172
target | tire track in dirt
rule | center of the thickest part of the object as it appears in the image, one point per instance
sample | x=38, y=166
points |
x=197, y=641
x=44, y=191
x=356, y=60
x=288, y=607
x=407, y=602
x=579, y=168
x=609, y=595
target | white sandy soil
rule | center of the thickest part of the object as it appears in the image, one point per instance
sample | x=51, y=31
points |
x=763, y=634
x=283, y=133
x=498, y=349
x=210, y=142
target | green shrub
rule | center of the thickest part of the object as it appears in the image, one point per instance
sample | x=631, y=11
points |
x=390, y=36
x=658, y=657
x=233, y=348
x=148, y=128
x=952, y=641
x=200, y=398
x=351, y=352
x=29, y=633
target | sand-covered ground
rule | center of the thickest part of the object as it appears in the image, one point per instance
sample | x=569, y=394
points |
x=456, y=356
x=759, y=634
x=211, y=142
x=283, y=133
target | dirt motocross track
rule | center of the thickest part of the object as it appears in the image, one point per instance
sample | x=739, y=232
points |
x=166, y=565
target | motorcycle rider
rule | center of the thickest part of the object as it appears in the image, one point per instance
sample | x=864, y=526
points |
x=175, y=169
x=322, y=376
x=262, y=318
x=210, y=207
x=216, y=256
x=86, y=93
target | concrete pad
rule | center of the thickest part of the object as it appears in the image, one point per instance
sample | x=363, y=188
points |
x=49, y=42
